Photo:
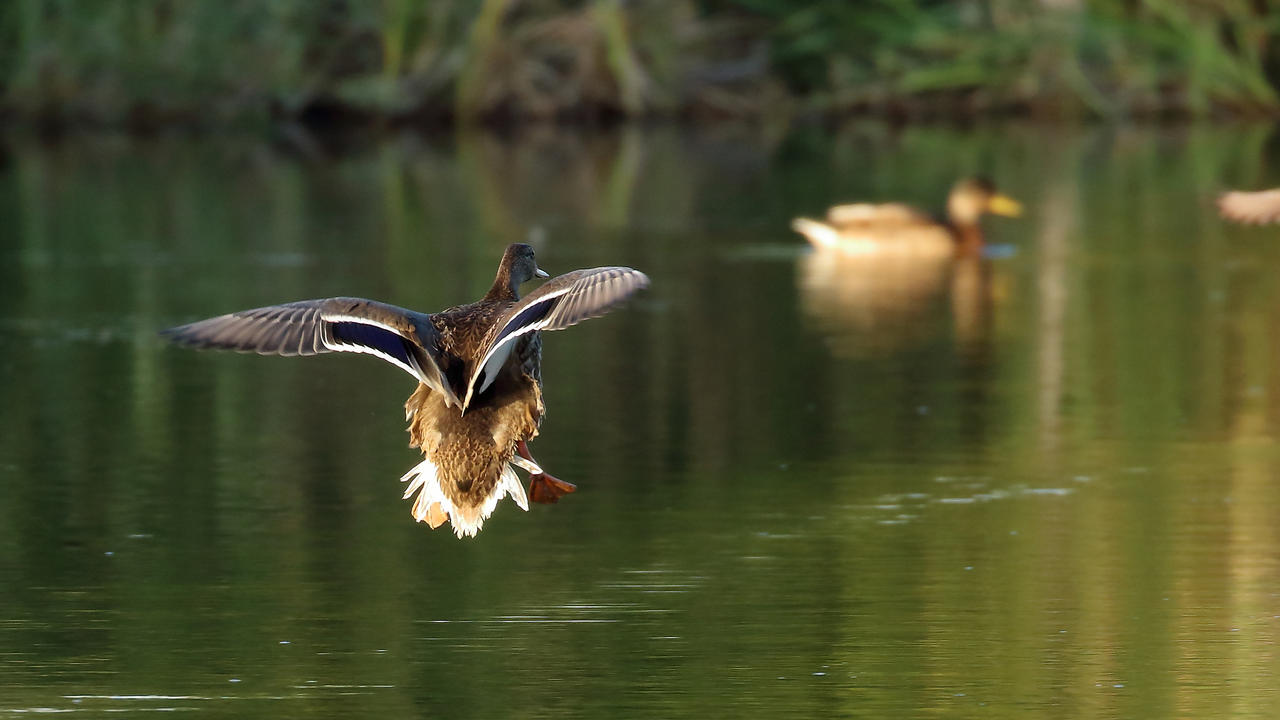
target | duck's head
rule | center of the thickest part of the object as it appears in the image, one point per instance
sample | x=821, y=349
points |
x=518, y=266
x=972, y=197
x=520, y=263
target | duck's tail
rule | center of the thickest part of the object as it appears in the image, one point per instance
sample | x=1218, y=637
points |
x=433, y=507
x=819, y=234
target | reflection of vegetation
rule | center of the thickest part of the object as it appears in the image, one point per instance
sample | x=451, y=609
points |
x=210, y=61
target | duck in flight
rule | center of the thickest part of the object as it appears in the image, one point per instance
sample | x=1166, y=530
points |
x=478, y=367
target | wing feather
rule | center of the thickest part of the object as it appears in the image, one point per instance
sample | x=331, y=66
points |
x=402, y=337
x=559, y=303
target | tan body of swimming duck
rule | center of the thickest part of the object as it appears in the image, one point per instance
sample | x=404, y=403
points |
x=478, y=367
x=893, y=228
x=1251, y=208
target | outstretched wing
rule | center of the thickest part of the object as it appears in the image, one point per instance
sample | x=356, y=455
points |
x=1253, y=208
x=560, y=302
x=402, y=337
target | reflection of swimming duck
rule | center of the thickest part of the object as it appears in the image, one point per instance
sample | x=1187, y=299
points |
x=478, y=367
x=879, y=304
x=880, y=301
x=898, y=229
x=1250, y=208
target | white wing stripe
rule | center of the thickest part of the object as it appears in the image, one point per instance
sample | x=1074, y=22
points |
x=329, y=342
x=506, y=340
x=589, y=295
x=348, y=347
x=361, y=320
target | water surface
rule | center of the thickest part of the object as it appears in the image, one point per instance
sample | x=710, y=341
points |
x=1038, y=485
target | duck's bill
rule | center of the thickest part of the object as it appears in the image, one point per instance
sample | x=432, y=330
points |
x=1004, y=205
x=539, y=272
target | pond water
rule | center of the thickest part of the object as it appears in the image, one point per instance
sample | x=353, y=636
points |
x=1043, y=484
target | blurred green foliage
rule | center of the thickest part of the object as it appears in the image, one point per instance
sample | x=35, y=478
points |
x=220, y=61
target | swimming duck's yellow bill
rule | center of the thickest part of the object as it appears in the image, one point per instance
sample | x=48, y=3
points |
x=1004, y=205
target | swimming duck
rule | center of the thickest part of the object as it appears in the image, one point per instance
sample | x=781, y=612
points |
x=898, y=229
x=478, y=367
x=1251, y=208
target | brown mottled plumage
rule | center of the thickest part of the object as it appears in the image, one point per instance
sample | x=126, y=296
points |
x=472, y=454
x=478, y=366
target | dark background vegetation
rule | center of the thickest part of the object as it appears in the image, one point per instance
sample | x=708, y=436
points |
x=220, y=62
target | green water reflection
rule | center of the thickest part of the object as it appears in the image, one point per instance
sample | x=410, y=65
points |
x=1043, y=484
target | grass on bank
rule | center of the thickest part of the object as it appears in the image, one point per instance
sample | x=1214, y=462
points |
x=226, y=61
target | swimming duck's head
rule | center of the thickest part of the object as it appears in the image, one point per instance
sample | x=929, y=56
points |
x=972, y=197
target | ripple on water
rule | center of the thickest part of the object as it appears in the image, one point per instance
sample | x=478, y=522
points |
x=904, y=508
x=633, y=597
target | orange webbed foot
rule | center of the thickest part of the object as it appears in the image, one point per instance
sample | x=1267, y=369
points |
x=544, y=488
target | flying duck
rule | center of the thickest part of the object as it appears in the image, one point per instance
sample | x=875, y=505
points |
x=478, y=399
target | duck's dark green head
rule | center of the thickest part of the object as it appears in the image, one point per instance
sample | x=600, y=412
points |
x=518, y=266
